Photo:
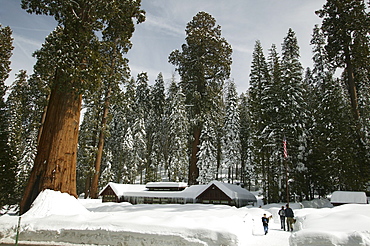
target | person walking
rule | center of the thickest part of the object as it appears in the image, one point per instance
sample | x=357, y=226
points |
x=289, y=214
x=282, y=217
x=265, y=222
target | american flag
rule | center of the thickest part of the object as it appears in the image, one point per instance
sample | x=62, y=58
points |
x=285, y=149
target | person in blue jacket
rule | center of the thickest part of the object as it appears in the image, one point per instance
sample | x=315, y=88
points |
x=265, y=222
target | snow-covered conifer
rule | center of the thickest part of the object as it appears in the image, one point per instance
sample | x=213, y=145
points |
x=177, y=135
x=231, y=134
x=7, y=163
x=207, y=155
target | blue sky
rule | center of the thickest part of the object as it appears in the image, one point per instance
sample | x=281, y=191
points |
x=242, y=23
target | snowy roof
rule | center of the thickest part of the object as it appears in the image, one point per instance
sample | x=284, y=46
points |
x=141, y=190
x=135, y=190
x=166, y=184
x=189, y=192
x=234, y=191
x=349, y=197
x=120, y=189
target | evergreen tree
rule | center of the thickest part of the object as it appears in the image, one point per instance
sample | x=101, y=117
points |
x=333, y=145
x=207, y=155
x=248, y=173
x=139, y=155
x=177, y=135
x=129, y=169
x=336, y=142
x=203, y=64
x=143, y=109
x=315, y=81
x=118, y=143
x=293, y=111
x=259, y=100
x=23, y=128
x=346, y=25
x=114, y=72
x=71, y=61
x=39, y=95
x=8, y=166
x=273, y=133
x=157, y=124
x=129, y=102
x=231, y=137
x=88, y=139
x=130, y=165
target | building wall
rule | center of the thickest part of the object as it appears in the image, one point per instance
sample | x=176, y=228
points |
x=213, y=195
x=109, y=195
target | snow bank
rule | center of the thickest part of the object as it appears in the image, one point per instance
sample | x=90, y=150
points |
x=343, y=225
x=50, y=202
x=59, y=219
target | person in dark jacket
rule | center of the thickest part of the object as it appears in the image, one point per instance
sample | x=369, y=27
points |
x=265, y=222
x=282, y=217
x=289, y=214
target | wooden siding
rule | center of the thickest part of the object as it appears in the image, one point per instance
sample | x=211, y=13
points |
x=213, y=195
x=109, y=195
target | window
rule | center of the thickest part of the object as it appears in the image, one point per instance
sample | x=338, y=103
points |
x=109, y=198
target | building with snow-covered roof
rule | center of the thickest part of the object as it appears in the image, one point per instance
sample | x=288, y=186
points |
x=348, y=197
x=178, y=193
x=228, y=194
x=166, y=186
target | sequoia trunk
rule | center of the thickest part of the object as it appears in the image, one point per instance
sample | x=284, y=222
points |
x=351, y=85
x=193, y=169
x=55, y=163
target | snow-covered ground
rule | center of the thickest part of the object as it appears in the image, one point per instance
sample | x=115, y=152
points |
x=59, y=219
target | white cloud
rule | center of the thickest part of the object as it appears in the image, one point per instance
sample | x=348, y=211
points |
x=242, y=23
x=163, y=25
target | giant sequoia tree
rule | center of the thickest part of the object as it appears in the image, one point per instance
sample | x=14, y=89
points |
x=7, y=163
x=346, y=24
x=203, y=64
x=71, y=60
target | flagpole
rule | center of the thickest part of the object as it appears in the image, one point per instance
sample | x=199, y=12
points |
x=286, y=169
x=286, y=180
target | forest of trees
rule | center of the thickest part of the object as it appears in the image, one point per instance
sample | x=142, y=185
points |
x=193, y=130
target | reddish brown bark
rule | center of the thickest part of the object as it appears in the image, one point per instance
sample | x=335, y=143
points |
x=42, y=121
x=352, y=86
x=55, y=163
x=193, y=169
x=99, y=154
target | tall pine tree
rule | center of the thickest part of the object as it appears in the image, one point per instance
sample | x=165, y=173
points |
x=24, y=122
x=7, y=163
x=177, y=135
x=157, y=126
x=293, y=111
x=231, y=135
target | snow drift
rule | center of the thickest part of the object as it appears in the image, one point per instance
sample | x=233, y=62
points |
x=343, y=225
x=56, y=219
x=50, y=202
